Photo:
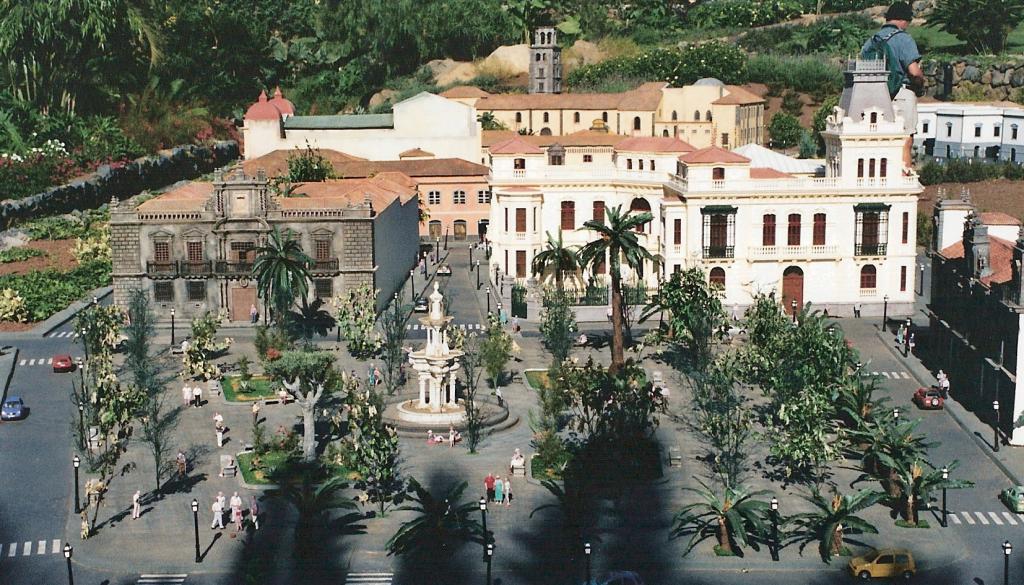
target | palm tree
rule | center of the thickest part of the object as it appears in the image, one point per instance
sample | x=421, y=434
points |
x=310, y=319
x=736, y=517
x=618, y=241
x=831, y=519
x=313, y=503
x=916, y=486
x=282, y=271
x=556, y=258
x=858, y=407
x=442, y=523
x=887, y=444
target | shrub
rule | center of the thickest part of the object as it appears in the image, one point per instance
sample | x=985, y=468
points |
x=12, y=306
x=983, y=24
x=96, y=246
x=743, y=13
x=785, y=130
x=33, y=170
x=309, y=165
x=820, y=118
x=839, y=36
x=808, y=145
x=676, y=66
x=791, y=103
x=19, y=254
x=47, y=291
x=814, y=75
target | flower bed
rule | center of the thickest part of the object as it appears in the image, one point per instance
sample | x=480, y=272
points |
x=536, y=379
x=268, y=463
x=259, y=387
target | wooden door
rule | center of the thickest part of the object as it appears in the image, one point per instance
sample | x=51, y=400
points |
x=792, y=288
x=241, y=300
x=460, y=229
x=520, y=263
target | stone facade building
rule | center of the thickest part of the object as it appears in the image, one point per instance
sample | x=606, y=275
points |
x=192, y=249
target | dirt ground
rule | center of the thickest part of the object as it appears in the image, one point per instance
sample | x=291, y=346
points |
x=997, y=195
x=58, y=255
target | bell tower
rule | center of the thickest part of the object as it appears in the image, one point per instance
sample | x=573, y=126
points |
x=545, y=62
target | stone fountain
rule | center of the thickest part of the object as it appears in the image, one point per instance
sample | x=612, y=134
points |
x=436, y=366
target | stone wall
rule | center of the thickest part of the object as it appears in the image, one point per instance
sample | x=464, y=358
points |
x=151, y=172
x=981, y=80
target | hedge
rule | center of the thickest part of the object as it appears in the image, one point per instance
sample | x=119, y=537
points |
x=47, y=291
x=121, y=181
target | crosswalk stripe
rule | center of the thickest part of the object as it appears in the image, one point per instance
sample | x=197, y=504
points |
x=905, y=375
x=27, y=549
x=896, y=375
x=995, y=518
x=369, y=577
x=56, y=546
x=165, y=578
x=12, y=549
x=967, y=516
x=32, y=362
x=1009, y=518
x=954, y=518
x=982, y=518
x=49, y=361
x=22, y=362
x=41, y=547
x=886, y=374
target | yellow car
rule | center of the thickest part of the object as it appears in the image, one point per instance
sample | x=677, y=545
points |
x=886, y=562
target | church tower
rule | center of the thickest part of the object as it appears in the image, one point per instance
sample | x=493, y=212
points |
x=545, y=62
x=864, y=136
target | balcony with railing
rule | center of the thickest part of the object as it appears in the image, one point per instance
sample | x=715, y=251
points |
x=719, y=251
x=167, y=269
x=227, y=268
x=204, y=268
x=781, y=252
x=325, y=265
x=798, y=185
x=562, y=173
x=860, y=249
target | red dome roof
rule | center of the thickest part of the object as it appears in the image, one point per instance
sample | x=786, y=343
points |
x=263, y=110
x=283, y=105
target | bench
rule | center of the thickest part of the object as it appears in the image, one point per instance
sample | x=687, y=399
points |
x=519, y=469
x=675, y=456
x=228, y=466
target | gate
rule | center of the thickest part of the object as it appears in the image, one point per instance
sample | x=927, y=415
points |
x=519, y=301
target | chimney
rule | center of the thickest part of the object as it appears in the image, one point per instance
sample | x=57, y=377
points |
x=949, y=217
x=976, y=241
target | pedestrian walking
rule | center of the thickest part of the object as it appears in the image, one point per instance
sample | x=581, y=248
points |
x=911, y=342
x=218, y=515
x=499, y=490
x=256, y=406
x=197, y=395
x=254, y=314
x=236, y=512
x=254, y=512
x=515, y=324
x=136, y=506
x=856, y=310
x=489, y=486
x=899, y=335
x=508, y=492
x=182, y=464
x=218, y=420
x=223, y=502
x=186, y=395
x=943, y=384
x=220, y=437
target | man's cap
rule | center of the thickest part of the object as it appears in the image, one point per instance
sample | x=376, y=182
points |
x=900, y=11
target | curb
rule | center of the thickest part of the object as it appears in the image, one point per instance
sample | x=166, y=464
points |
x=982, y=444
x=7, y=363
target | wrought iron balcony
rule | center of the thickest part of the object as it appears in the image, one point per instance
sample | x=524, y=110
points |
x=162, y=269
x=869, y=249
x=719, y=251
x=325, y=265
x=196, y=268
x=226, y=268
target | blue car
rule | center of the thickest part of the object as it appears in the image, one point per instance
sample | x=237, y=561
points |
x=13, y=409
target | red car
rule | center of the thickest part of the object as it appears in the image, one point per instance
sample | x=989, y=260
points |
x=929, y=399
x=63, y=363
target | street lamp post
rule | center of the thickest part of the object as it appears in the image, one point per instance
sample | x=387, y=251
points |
x=995, y=429
x=437, y=248
x=792, y=304
x=172, y=325
x=921, y=280
x=895, y=415
x=489, y=555
x=477, y=275
x=586, y=553
x=471, y=246
x=81, y=425
x=496, y=271
x=488, y=291
x=67, y=557
x=76, y=463
x=945, y=476
x=195, y=520
x=499, y=311
x=446, y=239
x=1007, y=549
x=885, y=310
x=483, y=514
x=412, y=285
x=85, y=344
x=775, y=528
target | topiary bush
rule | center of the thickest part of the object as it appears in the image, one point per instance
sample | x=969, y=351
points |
x=785, y=130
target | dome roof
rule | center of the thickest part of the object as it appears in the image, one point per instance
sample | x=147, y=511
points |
x=283, y=105
x=262, y=110
x=708, y=81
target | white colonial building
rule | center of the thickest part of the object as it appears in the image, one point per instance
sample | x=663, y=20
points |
x=963, y=130
x=843, y=238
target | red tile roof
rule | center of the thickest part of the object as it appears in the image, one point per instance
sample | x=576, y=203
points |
x=381, y=189
x=431, y=167
x=653, y=144
x=464, y=91
x=415, y=153
x=713, y=154
x=262, y=109
x=998, y=218
x=1000, y=254
x=275, y=163
x=738, y=96
x=768, y=173
x=188, y=197
x=282, y=104
x=515, y=145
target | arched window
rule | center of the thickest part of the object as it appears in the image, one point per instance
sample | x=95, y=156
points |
x=538, y=57
x=874, y=117
x=637, y=206
x=977, y=150
x=629, y=164
x=1013, y=155
x=675, y=115
x=883, y=168
x=519, y=117
x=568, y=215
x=868, y=277
x=793, y=230
x=818, y=234
x=641, y=163
x=545, y=131
x=546, y=118
x=768, y=230
x=707, y=116
x=636, y=123
x=696, y=115
x=717, y=277
x=459, y=229
x=598, y=213
x=1013, y=132
x=576, y=118
x=664, y=133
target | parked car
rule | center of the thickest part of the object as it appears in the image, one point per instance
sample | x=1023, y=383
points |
x=62, y=362
x=13, y=409
x=886, y=562
x=929, y=399
x=1013, y=497
x=444, y=270
x=420, y=306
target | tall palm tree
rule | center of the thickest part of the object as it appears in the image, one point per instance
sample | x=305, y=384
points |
x=735, y=517
x=314, y=502
x=885, y=446
x=916, y=485
x=617, y=239
x=556, y=258
x=831, y=519
x=282, y=271
x=441, y=524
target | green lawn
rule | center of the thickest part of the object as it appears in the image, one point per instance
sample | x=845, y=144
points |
x=537, y=378
x=269, y=461
x=259, y=387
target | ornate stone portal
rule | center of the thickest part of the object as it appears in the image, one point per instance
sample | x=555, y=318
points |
x=437, y=365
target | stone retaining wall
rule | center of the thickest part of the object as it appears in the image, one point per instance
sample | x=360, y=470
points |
x=998, y=81
x=150, y=172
